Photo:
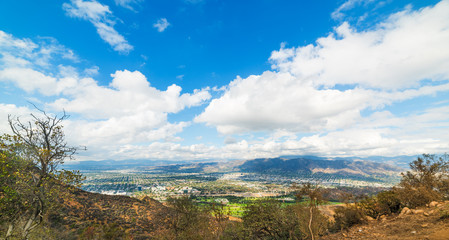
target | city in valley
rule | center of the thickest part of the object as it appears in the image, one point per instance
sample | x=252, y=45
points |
x=233, y=183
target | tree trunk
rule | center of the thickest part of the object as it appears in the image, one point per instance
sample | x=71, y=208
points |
x=36, y=218
x=9, y=232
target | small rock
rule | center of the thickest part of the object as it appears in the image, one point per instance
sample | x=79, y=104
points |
x=433, y=204
x=405, y=211
x=425, y=225
x=360, y=229
x=426, y=214
x=413, y=232
x=418, y=211
x=369, y=218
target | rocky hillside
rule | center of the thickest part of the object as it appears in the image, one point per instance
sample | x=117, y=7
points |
x=431, y=222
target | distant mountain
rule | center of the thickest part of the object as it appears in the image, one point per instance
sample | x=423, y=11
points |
x=399, y=161
x=313, y=164
x=281, y=165
x=104, y=165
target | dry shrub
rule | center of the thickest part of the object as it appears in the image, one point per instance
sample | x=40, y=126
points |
x=382, y=204
x=346, y=217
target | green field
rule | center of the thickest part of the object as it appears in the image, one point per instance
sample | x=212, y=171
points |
x=236, y=205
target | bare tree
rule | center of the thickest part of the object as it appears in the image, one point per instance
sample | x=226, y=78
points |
x=36, y=149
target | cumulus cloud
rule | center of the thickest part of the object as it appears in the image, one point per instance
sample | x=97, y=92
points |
x=127, y=111
x=103, y=20
x=161, y=24
x=326, y=86
x=129, y=92
x=380, y=134
x=13, y=110
x=27, y=64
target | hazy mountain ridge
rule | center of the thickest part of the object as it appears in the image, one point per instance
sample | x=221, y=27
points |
x=316, y=164
x=279, y=165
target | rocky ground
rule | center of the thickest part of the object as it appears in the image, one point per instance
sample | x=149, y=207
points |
x=431, y=222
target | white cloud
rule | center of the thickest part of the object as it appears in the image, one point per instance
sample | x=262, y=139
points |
x=402, y=51
x=128, y=92
x=161, y=24
x=16, y=52
x=30, y=80
x=30, y=65
x=305, y=93
x=127, y=3
x=13, y=111
x=128, y=111
x=348, y=5
x=380, y=134
x=103, y=20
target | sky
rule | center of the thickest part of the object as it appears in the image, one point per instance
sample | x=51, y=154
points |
x=221, y=80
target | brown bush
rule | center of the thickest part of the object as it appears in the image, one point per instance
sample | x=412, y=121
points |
x=348, y=216
x=383, y=203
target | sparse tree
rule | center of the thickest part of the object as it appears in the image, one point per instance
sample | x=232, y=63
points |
x=188, y=221
x=315, y=194
x=426, y=181
x=31, y=181
x=267, y=219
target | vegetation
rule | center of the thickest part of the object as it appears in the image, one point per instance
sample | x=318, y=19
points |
x=428, y=180
x=30, y=180
x=33, y=186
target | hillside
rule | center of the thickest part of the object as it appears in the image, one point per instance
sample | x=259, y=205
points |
x=430, y=223
x=85, y=211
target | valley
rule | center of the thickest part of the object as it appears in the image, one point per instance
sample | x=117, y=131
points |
x=237, y=180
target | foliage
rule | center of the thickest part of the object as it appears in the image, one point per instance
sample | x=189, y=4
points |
x=383, y=203
x=318, y=226
x=444, y=215
x=347, y=216
x=316, y=197
x=266, y=219
x=188, y=221
x=426, y=181
x=106, y=232
x=31, y=182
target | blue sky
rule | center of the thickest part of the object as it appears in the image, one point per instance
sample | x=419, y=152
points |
x=210, y=79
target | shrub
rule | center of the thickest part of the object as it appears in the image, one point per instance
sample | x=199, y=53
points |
x=383, y=203
x=444, y=215
x=266, y=219
x=348, y=216
x=426, y=182
x=319, y=223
